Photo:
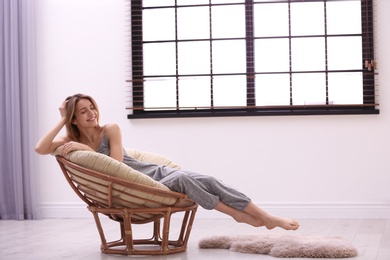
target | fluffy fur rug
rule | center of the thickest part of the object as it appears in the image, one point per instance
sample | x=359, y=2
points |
x=282, y=245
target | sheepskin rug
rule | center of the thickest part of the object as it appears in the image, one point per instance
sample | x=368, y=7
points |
x=284, y=245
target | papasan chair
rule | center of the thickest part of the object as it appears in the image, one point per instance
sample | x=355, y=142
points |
x=113, y=189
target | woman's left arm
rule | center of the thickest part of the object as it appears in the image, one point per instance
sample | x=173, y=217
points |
x=74, y=146
x=114, y=135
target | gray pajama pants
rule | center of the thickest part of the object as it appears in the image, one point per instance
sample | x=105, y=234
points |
x=205, y=190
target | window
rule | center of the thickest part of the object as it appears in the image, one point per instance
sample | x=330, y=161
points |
x=246, y=57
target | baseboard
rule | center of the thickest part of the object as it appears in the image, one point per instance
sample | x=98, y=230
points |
x=330, y=210
x=302, y=210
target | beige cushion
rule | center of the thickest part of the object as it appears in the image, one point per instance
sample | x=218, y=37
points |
x=105, y=164
x=151, y=157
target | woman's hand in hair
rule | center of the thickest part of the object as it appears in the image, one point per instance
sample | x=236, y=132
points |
x=62, y=109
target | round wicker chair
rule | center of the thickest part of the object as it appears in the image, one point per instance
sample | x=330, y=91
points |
x=111, y=188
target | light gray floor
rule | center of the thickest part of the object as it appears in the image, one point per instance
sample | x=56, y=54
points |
x=78, y=238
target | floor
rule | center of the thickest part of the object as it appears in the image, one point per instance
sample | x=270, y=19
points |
x=78, y=238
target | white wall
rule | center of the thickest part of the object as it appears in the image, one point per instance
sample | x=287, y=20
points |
x=299, y=166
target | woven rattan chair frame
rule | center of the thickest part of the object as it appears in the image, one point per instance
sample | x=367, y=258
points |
x=103, y=200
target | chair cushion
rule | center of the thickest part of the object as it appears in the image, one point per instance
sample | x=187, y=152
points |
x=96, y=187
x=107, y=165
x=151, y=157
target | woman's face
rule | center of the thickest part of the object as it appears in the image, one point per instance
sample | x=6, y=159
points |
x=86, y=114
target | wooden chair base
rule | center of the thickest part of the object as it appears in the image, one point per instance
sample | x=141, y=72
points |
x=158, y=244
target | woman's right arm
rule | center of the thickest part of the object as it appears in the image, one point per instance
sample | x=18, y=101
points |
x=48, y=143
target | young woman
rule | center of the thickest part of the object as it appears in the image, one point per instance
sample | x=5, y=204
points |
x=80, y=116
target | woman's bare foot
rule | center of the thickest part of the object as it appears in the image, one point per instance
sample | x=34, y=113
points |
x=287, y=224
x=270, y=221
x=242, y=217
x=257, y=217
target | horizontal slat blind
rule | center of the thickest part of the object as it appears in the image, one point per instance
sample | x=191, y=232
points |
x=157, y=88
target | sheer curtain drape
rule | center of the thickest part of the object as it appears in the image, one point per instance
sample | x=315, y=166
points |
x=18, y=161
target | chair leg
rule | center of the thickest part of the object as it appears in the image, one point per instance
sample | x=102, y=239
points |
x=185, y=229
x=156, y=231
x=187, y=226
x=99, y=228
x=128, y=233
x=165, y=234
x=106, y=246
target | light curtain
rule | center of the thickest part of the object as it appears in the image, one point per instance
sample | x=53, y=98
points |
x=18, y=161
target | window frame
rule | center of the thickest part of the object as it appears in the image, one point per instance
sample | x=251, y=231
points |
x=369, y=105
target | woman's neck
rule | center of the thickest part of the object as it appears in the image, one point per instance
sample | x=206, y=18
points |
x=91, y=136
